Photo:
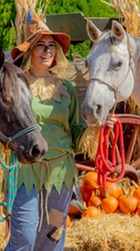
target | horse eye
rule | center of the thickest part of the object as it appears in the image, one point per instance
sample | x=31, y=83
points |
x=117, y=66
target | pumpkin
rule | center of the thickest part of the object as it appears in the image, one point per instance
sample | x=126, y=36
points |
x=128, y=204
x=90, y=181
x=113, y=190
x=136, y=194
x=68, y=221
x=76, y=207
x=109, y=204
x=94, y=201
x=91, y=212
x=138, y=210
x=121, y=191
x=86, y=194
x=73, y=210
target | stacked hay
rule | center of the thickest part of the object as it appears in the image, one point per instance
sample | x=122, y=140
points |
x=111, y=232
x=3, y=241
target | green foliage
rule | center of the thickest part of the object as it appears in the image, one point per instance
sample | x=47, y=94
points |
x=99, y=9
x=79, y=50
x=90, y=8
x=7, y=14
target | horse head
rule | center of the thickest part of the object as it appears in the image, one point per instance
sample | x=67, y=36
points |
x=18, y=127
x=111, y=72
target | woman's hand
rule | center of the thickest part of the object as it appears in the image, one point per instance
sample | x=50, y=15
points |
x=111, y=121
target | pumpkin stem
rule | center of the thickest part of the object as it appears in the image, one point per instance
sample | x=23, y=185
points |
x=129, y=192
x=121, y=181
x=81, y=206
x=97, y=191
x=123, y=188
x=107, y=193
x=127, y=182
x=134, y=184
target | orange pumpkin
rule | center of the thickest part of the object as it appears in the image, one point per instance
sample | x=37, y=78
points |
x=120, y=197
x=73, y=210
x=91, y=212
x=128, y=204
x=120, y=190
x=68, y=221
x=86, y=194
x=136, y=194
x=94, y=201
x=90, y=181
x=138, y=210
x=113, y=190
x=109, y=204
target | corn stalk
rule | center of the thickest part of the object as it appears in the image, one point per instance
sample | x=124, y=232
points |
x=129, y=14
x=22, y=7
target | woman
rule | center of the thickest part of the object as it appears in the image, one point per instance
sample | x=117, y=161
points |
x=38, y=220
x=45, y=189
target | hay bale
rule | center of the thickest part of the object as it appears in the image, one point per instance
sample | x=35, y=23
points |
x=111, y=232
x=3, y=241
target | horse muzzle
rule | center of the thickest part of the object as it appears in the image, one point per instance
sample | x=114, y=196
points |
x=95, y=114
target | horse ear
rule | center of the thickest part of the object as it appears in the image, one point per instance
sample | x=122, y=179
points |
x=93, y=32
x=118, y=30
x=2, y=57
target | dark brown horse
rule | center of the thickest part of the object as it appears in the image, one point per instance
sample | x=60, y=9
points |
x=18, y=127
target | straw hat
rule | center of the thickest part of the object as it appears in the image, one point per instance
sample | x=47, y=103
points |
x=34, y=29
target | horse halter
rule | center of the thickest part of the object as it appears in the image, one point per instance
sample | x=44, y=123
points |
x=19, y=134
x=116, y=89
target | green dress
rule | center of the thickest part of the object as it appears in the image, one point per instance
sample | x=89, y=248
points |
x=58, y=120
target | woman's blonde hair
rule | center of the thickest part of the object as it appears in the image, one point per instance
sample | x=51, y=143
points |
x=59, y=65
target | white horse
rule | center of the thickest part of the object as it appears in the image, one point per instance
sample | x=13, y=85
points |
x=114, y=72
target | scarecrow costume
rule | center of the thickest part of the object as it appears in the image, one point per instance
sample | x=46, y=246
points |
x=49, y=183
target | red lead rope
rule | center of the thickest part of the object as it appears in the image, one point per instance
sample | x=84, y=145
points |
x=103, y=164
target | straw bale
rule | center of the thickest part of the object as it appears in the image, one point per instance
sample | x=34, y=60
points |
x=87, y=144
x=111, y=232
x=3, y=241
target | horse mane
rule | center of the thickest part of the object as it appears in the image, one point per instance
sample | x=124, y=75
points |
x=9, y=75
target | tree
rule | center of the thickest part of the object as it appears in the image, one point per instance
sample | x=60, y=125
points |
x=7, y=16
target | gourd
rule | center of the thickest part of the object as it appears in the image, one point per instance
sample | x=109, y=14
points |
x=109, y=204
x=91, y=212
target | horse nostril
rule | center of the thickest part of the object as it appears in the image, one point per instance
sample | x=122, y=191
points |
x=35, y=151
x=98, y=109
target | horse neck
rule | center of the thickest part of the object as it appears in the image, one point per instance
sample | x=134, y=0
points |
x=135, y=48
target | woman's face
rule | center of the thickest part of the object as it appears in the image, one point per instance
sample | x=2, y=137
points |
x=43, y=53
